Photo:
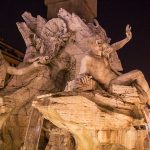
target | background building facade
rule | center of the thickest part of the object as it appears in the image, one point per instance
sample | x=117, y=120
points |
x=86, y=9
x=12, y=55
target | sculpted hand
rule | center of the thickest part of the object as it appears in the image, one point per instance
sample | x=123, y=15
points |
x=84, y=79
x=37, y=64
x=128, y=32
x=44, y=59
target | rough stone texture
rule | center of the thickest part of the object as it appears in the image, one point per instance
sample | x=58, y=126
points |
x=70, y=108
x=86, y=119
x=77, y=113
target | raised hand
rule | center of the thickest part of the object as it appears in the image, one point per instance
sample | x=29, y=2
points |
x=128, y=32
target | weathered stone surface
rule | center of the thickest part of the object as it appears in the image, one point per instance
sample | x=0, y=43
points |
x=77, y=113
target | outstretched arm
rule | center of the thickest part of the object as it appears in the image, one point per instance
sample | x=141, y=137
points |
x=120, y=44
x=21, y=71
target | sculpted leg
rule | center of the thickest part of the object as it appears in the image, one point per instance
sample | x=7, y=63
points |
x=130, y=77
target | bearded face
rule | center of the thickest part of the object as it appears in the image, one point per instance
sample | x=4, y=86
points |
x=96, y=46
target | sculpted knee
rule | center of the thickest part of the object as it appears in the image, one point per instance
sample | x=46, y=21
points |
x=112, y=82
x=138, y=73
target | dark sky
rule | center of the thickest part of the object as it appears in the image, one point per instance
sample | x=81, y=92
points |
x=113, y=15
x=10, y=13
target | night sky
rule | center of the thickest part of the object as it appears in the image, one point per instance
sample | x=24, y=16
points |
x=113, y=15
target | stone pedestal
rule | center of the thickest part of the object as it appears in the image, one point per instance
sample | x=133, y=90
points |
x=86, y=9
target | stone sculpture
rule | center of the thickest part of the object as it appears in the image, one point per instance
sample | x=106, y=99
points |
x=71, y=74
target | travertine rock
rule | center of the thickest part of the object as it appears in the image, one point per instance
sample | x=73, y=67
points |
x=85, y=120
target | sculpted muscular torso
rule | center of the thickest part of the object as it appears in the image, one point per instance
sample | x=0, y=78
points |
x=98, y=68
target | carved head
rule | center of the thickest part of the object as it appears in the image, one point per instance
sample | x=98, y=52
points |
x=95, y=45
x=99, y=46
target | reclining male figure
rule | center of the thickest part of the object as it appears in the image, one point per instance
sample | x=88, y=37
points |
x=96, y=64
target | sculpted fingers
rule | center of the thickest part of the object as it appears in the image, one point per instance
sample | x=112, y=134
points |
x=44, y=59
x=85, y=79
x=128, y=32
x=37, y=64
x=128, y=28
